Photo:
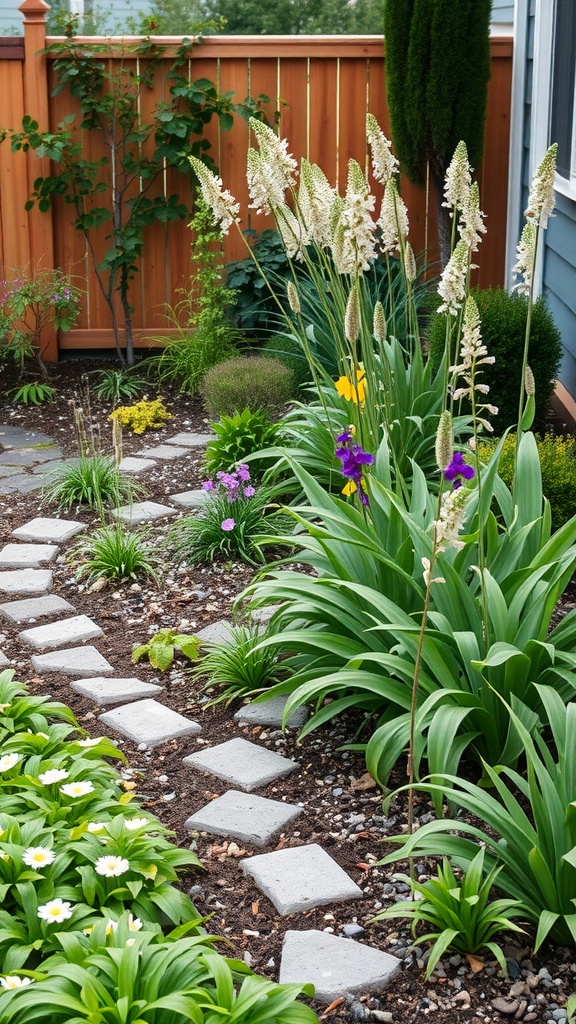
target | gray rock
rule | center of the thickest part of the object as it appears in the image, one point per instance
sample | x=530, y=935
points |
x=216, y=632
x=242, y=764
x=148, y=722
x=334, y=965
x=22, y=483
x=252, y=819
x=4, y=661
x=353, y=931
x=299, y=878
x=505, y=1006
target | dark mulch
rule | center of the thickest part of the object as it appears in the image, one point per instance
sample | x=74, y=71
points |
x=342, y=808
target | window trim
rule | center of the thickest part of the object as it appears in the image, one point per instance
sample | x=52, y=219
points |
x=565, y=185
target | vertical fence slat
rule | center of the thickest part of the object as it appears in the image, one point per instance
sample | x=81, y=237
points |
x=321, y=79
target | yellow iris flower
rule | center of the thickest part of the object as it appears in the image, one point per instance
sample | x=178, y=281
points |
x=353, y=393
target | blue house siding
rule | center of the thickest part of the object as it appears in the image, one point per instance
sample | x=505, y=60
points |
x=502, y=13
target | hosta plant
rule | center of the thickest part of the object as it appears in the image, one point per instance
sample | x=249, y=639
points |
x=527, y=824
x=238, y=437
x=456, y=912
x=162, y=647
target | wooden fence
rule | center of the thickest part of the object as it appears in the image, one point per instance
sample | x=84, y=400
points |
x=326, y=85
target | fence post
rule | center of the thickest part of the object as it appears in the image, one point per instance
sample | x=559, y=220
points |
x=36, y=104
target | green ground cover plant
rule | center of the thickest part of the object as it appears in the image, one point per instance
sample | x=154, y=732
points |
x=162, y=647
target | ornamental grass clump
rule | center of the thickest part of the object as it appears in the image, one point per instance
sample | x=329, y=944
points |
x=93, y=481
x=114, y=553
x=247, y=382
x=238, y=665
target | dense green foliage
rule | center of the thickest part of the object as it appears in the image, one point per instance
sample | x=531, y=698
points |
x=237, y=438
x=238, y=665
x=558, y=462
x=250, y=382
x=114, y=553
x=92, y=481
x=503, y=323
x=249, y=17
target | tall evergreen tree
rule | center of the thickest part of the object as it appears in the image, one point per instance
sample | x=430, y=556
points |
x=437, y=73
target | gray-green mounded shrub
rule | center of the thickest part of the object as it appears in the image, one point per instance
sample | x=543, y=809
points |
x=503, y=319
x=247, y=382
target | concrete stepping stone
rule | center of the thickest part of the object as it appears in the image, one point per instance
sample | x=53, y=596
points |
x=23, y=483
x=4, y=661
x=189, y=439
x=242, y=764
x=162, y=451
x=74, y=661
x=190, y=499
x=43, y=529
x=264, y=614
x=48, y=467
x=19, y=437
x=299, y=878
x=143, y=512
x=26, y=581
x=66, y=631
x=134, y=465
x=29, y=456
x=271, y=712
x=334, y=965
x=148, y=723
x=252, y=819
x=115, y=691
x=216, y=632
x=26, y=556
x=34, y=608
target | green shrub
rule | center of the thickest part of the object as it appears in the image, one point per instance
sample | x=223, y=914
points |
x=237, y=437
x=255, y=309
x=247, y=383
x=558, y=464
x=288, y=350
x=503, y=318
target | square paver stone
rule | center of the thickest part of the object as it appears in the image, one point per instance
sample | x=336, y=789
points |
x=242, y=763
x=54, y=530
x=253, y=819
x=34, y=608
x=271, y=712
x=144, y=512
x=299, y=878
x=115, y=691
x=26, y=581
x=132, y=465
x=188, y=439
x=149, y=722
x=26, y=556
x=162, y=451
x=30, y=456
x=74, y=661
x=190, y=499
x=334, y=965
x=66, y=631
x=216, y=632
x=22, y=483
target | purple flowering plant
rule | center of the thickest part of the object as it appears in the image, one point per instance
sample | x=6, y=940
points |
x=353, y=459
x=458, y=470
x=229, y=521
x=29, y=305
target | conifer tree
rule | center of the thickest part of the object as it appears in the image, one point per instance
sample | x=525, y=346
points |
x=437, y=72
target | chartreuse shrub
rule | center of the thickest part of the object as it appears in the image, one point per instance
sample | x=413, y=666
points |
x=148, y=414
x=87, y=884
x=237, y=438
x=558, y=462
x=503, y=318
x=247, y=382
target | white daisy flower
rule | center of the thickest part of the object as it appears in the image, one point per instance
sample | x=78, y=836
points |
x=133, y=823
x=55, y=911
x=111, y=866
x=7, y=761
x=11, y=981
x=53, y=775
x=38, y=857
x=76, y=789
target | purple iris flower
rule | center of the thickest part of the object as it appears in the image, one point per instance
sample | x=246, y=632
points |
x=353, y=458
x=458, y=469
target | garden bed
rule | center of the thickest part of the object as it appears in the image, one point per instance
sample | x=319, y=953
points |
x=343, y=810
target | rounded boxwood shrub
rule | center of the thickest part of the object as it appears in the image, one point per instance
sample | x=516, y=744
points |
x=558, y=463
x=503, y=317
x=247, y=382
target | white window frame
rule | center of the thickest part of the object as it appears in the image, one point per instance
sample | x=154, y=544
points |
x=567, y=185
